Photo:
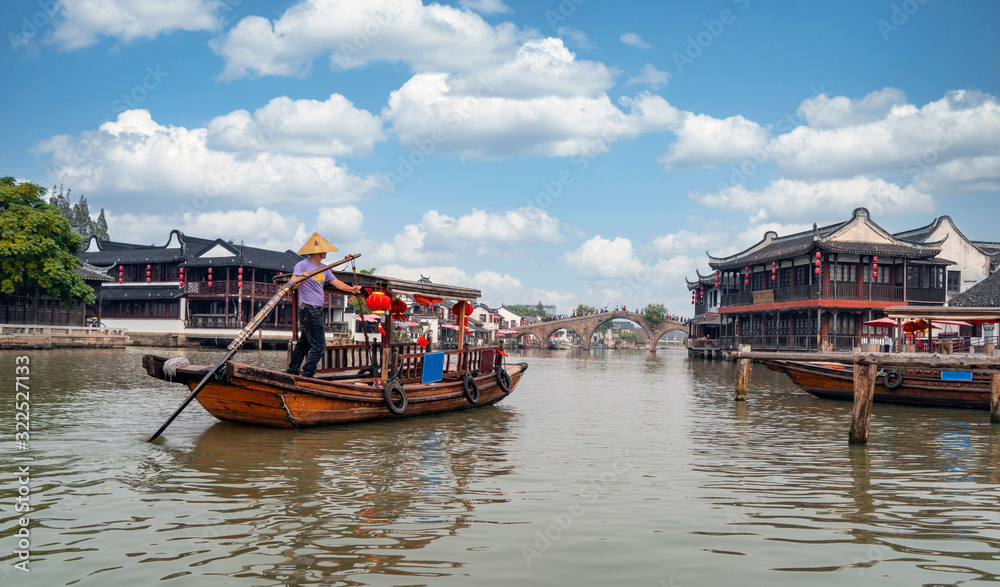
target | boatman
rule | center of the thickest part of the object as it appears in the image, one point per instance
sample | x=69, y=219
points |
x=312, y=339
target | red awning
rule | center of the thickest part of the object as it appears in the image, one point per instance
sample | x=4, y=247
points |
x=449, y=326
x=881, y=323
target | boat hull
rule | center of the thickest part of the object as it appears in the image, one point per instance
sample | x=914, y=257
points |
x=252, y=395
x=918, y=386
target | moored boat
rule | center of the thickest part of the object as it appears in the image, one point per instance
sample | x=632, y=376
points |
x=907, y=386
x=354, y=382
x=472, y=378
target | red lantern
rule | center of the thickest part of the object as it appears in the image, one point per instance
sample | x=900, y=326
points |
x=240, y=271
x=378, y=301
x=120, y=280
x=457, y=308
x=874, y=274
x=398, y=306
x=182, y=284
x=148, y=280
x=875, y=266
x=875, y=259
x=209, y=270
x=746, y=282
x=817, y=270
x=818, y=255
x=148, y=267
x=773, y=277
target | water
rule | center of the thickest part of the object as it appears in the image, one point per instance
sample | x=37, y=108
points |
x=612, y=468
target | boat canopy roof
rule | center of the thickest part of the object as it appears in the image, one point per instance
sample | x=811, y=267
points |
x=399, y=286
x=944, y=313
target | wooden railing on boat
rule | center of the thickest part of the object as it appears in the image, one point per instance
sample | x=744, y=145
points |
x=338, y=359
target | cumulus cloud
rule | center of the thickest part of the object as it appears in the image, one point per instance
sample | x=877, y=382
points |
x=357, y=32
x=136, y=155
x=261, y=228
x=634, y=40
x=703, y=141
x=340, y=224
x=78, y=23
x=330, y=128
x=832, y=199
x=968, y=175
x=485, y=6
x=905, y=141
x=650, y=76
x=579, y=38
x=601, y=257
x=826, y=113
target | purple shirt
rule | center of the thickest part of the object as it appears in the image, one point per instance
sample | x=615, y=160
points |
x=311, y=290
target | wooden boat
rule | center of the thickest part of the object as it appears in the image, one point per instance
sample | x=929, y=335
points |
x=354, y=382
x=906, y=386
x=254, y=395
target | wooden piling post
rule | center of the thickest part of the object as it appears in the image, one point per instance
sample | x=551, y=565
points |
x=742, y=375
x=864, y=395
x=988, y=348
x=995, y=394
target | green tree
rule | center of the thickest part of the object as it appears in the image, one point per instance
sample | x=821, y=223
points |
x=540, y=310
x=583, y=309
x=629, y=336
x=101, y=227
x=655, y=314
x=521, y=310
x=38, y=247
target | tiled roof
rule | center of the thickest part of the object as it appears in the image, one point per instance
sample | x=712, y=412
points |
x=90, y=273
x=114, y=253
x=985, y=294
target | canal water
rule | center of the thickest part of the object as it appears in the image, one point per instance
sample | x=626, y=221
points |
x=607, y=468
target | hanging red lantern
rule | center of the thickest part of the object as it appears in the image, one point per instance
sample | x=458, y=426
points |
x=148, y=267
x=457, y=308
x=746, y=282
x=120, y=280
x=819, y=255
x=240, y=271
x=774, y=277
x=817, y=270
x=875, y=266
x=874, y=274
x=148, y=280
x=378, y=301
x=398, y=307
x=874, y=258
x=210, y=270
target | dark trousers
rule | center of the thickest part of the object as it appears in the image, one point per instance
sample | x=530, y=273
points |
x=312, y=340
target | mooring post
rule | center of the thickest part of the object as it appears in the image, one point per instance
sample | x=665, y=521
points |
x=742, y=375
x=864, y=394
x=995, y=394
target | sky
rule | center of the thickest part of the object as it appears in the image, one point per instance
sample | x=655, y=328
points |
x=557, y=151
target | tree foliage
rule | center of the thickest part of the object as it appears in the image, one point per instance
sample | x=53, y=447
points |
x=38, y=248
x=655, y=314
x=524, y=311
x=583, y=309
x=78, y=214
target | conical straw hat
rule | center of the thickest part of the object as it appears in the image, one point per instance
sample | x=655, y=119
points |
x=316, y=244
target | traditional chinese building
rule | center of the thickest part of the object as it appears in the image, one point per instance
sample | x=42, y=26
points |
x=817, y=287
x=194, y=283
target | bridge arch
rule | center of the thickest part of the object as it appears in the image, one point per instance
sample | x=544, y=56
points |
x=587, y=324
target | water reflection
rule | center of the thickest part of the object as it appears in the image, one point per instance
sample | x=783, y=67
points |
x=325, y=504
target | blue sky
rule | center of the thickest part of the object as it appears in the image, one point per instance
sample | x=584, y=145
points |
x=567, y=152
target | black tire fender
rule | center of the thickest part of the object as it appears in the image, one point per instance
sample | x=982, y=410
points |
x=388, y=391
x=892, y=379
x=470, y=388
x=503, y=380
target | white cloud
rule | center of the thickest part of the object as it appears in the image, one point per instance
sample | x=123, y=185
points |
x=684, y=241
x=703, y=141
x=831, y=200
x=962, y=124
x=78, y=23
x=579, y=38
x=485, y=6
x=600, y=257
x=650, y=76
x=961, y=176
x=261, y=228
x=330, y=128
x=341, y=224
x=826, y=113
x=634, y=40
x=357, y=32
x=134, y=155
x=497, y=287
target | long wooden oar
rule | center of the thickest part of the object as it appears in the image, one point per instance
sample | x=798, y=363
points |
x=247, y=332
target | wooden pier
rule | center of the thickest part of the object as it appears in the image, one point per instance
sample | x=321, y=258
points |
x=866, y=365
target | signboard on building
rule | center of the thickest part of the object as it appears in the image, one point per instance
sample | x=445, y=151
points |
x=763, y=297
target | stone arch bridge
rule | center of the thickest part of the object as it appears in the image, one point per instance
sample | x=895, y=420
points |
x=586, y=325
